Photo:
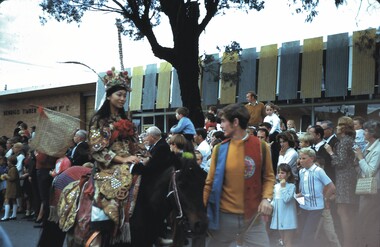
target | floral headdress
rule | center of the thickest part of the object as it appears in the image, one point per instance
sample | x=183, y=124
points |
x=116, y=78
x=112, y=78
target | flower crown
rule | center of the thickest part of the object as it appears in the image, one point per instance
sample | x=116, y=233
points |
x=116, y=78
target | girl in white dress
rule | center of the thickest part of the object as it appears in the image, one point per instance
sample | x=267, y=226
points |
x=284, y=217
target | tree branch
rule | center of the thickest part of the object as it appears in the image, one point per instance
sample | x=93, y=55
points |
x=171, y=9
x=147, y=7
x=212, y=8
x=145, y=27
x=124, y=11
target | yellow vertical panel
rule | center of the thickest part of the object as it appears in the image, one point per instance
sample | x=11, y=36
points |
x=163, y=90
x=363, y=63
x=266, y=89
x=229, y=78
x=312, y=68
x=136, y=84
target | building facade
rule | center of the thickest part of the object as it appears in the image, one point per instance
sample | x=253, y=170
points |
x=317, y=80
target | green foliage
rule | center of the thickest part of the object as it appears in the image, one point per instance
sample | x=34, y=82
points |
x=367, y=43
x=230, y=78
x=308, y=7
x=74, y=10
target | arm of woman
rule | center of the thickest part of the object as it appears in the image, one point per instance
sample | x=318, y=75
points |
x=370, y=164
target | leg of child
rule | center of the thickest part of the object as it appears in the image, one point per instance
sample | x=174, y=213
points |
x=287, y=237
x=7, y=208
x=281, y=241
x=14, y=209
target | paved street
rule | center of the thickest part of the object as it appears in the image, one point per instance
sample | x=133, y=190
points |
x=21, y=232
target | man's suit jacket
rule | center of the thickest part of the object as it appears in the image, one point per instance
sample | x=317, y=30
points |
x=80, y=155
x=325, y=156
x=160, y=160
x=333, y=141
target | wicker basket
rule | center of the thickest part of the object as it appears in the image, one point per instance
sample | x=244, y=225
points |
x=54, y=132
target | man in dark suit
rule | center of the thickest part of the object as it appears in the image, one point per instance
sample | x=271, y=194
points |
x=329, y=134
x=160, y=159
x=319, y=146
x=159, y=155
x=80, y=152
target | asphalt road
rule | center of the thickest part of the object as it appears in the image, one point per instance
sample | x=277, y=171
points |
x=21, y=232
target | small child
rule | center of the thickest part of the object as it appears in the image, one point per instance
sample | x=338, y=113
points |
x=315, y=186
x=359, y=137
x=291, y=124
x=306, y=140
x=198, y=157
x=13, y=188
x=284, y=217
x=272, y=118
x=184, y=126
x=210, y=122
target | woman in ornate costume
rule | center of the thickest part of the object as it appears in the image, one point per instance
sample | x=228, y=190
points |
x=112, y=140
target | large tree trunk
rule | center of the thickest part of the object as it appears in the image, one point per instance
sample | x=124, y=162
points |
x=186, y=61
x=190, y=94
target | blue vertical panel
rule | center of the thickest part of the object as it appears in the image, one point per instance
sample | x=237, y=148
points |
x=150, y=88
x=176, y=92
x=337, y=65
x=289, y=67
x=247, y=80
x=210, y=81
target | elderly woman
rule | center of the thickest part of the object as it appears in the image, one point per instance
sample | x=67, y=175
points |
x=369, y=207
x=343, y=159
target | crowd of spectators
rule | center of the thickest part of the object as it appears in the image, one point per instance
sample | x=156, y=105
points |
x=316, y=172
x=338, y=152
x=26, y=193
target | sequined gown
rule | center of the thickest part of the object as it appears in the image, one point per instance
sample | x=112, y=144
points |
x=109, y=138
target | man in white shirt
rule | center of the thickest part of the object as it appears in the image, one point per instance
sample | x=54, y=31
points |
x=202, y=145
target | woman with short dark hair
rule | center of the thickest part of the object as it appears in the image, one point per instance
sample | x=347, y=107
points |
x=288, y=154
